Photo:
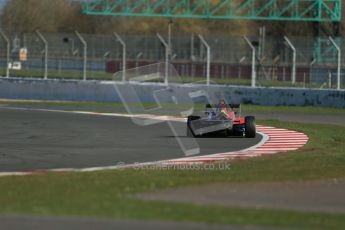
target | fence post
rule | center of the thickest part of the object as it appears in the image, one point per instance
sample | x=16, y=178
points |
x=166, y=81
x=124, y=59
x=339, y=62
x=82, y=40
x=45, y=42
x=7, y=53
x=240, y=67
x=253, y=61
x=208, y=68
x=293, y=78
x=169, y=38
x=311, y=70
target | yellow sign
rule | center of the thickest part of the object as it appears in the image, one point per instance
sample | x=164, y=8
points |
x=23, y=54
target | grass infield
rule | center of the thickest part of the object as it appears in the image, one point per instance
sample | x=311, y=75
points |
x=105, y=106
x=100, y=75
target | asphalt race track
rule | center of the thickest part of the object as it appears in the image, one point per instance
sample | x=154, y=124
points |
x=41, y=140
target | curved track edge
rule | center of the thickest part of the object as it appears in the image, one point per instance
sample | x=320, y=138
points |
x=275, y=140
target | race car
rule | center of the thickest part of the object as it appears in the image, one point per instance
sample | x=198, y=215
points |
x=221, y=119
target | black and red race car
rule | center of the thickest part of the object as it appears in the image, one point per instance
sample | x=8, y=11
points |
x=221, y=119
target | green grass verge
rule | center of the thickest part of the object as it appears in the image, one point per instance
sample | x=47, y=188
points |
x=99, y=75
x=294, y=109
x=107, y=193
x=54, y=74
x=246, y=108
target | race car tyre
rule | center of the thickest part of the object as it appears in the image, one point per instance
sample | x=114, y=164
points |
x=189, y=132
x=250, y=127
x=189, y=129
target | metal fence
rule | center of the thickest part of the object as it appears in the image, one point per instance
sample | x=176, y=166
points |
x=231, y=58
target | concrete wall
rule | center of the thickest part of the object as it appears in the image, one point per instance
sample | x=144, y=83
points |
x=105, y=91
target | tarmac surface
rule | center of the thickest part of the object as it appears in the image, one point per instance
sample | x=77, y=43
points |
x=41, y=140
x=314, y=196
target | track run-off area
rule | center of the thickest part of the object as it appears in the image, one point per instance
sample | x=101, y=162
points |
x=40, y=140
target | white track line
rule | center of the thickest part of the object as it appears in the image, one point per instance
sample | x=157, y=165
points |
x=275, y=140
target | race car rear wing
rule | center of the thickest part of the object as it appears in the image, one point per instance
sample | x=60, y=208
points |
x=232, y=106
